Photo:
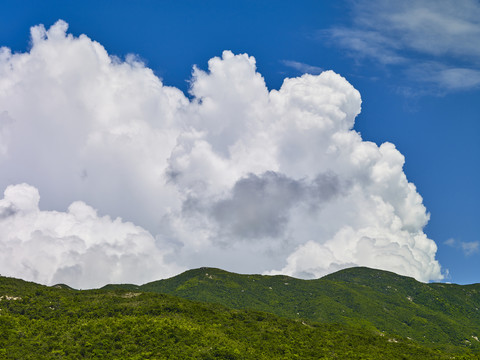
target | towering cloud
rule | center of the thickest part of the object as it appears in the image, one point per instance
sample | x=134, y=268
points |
x=238, y=177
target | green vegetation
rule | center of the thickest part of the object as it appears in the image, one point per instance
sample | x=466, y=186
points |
x=357, y=313
x=39, y=322
x=440, y=315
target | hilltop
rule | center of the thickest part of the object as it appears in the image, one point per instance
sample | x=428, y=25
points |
x=436, y=314
x=37, y=321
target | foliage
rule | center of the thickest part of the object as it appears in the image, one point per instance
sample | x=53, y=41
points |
x=57, y=322
x=441, y=315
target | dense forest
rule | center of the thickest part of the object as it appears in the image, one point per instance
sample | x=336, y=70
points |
x=433, y=314
x=130, y=322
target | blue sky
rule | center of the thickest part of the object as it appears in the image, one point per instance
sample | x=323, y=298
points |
x=415, y=64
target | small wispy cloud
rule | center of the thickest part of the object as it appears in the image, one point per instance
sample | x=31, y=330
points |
x=302, y=67
x=468, y=248
x=366, y=44
x=435, y=42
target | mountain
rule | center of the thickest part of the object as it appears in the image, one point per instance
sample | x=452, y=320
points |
x=440, y=314
x=40, y=322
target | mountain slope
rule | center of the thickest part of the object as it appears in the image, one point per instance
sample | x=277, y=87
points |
x=374, y=299
x=56, y=322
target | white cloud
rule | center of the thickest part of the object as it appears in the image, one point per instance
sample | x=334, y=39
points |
x=302, y=67
x=458, y=78
x=76, y=116
x=367, y=44
x=444, y=77
x=418, y=35
x=470, y=247
x=76, y=247
x=239, y=177
x=467, y=247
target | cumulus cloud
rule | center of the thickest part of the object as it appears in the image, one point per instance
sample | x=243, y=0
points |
x=239, y=176
x=435, y=41
x=77, y=246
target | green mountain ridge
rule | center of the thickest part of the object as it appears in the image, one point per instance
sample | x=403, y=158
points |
x=437, y=314
x=40, y=322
